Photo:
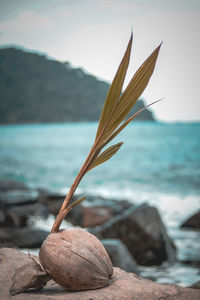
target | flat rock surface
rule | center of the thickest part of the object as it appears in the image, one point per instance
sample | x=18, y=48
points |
x=123, y=286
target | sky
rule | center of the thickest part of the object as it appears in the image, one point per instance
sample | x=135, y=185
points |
x=93, y=34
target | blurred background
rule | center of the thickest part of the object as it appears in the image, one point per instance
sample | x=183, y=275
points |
x=57, y=60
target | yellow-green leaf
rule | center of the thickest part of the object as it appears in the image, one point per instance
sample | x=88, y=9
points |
x=65, y=211
x=76, y=202
x=104, y=156
x=108, y=139
x=115, y=89
x=133, y=91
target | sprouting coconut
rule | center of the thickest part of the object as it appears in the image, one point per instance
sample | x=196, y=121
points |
x=75, y=258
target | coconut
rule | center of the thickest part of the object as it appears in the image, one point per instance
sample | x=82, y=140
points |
x=76, y=259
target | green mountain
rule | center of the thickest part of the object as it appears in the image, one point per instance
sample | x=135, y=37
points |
x=35, y=89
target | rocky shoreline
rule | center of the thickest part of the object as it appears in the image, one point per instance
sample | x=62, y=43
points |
x=122, y=286
x=133, y=235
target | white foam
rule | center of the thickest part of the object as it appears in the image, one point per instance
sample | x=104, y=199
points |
x=174, y=209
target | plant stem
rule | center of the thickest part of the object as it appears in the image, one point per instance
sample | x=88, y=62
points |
x=60, y=216
x=63, y=212
x=92, y=154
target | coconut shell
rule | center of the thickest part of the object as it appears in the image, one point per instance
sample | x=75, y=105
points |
x=76, y=260
x=28, y=276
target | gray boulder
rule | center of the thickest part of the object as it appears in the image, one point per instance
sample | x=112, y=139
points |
x=195, y=285
x=26, y=237
x=18, y=215
x=17, y=197
x=11, y=184
x=2, y=217
x=143, y=232
x=120, y=256
x=18, y=205
x=192, y=222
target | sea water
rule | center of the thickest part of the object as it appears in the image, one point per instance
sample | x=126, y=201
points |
x=158, y=164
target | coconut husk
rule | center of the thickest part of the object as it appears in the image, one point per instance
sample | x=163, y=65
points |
x=76, y=260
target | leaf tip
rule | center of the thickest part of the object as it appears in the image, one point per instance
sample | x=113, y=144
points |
x=158, y=48
x=131, y=39
x=132, y=33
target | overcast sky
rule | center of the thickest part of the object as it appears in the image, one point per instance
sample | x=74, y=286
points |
x=93, y=34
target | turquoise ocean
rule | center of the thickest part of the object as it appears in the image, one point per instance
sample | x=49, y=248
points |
x=158, y=164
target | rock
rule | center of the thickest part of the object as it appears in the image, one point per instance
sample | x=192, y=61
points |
x=195, y=285
x=95, y=210
x=19, y=215
x=119, y=255
x=18, y=205
x=115, y=206
x=143, y=232
x=17, y=197
x=124, y=286
x=193, y=262
x=93, y=216
x=192, y=222
x=6, y=245
x=11, y=184
x=52, y=200
x=2, y=217
x=23, y=237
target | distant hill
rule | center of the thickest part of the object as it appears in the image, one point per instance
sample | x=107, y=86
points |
x=34, y=89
